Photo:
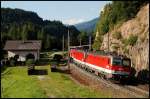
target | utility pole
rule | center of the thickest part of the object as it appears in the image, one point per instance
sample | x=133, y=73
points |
x=68, y=40
x=90, y=43
x=68, y=49
x=63, y=43
x=80, y=41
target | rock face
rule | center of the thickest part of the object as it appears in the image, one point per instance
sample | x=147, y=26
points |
x=139, y=52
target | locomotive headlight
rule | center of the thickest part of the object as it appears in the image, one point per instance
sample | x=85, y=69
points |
x=120, y=69
x=107, y=66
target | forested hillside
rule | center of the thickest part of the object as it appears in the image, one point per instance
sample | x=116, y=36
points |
x=17, y=24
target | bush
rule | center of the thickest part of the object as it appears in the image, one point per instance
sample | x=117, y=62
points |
x=57, y=57
x=30, y=62
x=115, y=47
x=12, y=62
x=30, y=56
x=117, y=35
x=105, y=27
x=125, y=41
x=98, y=43
x=132, y=39
x=45, y=55
x=37, y=62
x=65, y=54
x=126, y=51
x=3, y=68
x=16, y=57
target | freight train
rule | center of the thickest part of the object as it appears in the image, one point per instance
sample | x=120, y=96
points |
x=105, y=65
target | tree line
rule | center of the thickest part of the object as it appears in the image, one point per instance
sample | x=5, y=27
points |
x=17, y=24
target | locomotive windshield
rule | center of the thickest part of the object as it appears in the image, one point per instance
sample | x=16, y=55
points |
x=117, y=61
x=121, y=62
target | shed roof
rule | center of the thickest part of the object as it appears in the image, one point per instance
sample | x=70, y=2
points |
x=23, y=45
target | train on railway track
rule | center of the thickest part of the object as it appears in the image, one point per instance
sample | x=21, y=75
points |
x=106, y=65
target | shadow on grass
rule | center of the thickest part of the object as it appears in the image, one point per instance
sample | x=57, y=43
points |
x=66, y=71
x=38, y=72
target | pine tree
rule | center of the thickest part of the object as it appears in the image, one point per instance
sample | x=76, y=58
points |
x=24, y=32
x=40, y=34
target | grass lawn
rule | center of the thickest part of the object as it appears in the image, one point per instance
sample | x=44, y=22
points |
x=15, y=83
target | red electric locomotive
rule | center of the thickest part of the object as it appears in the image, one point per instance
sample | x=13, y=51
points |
x=109, y=66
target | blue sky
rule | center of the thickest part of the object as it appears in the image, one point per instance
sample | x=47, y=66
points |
x=69, y=12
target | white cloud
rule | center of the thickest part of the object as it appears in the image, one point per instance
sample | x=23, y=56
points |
x=73, y=21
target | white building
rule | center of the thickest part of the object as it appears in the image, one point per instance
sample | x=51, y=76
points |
x=23, y=49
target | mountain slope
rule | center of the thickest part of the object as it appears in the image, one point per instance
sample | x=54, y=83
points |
x=88, y=26
x=18, y=24
x=9, y=15
x=131, y=38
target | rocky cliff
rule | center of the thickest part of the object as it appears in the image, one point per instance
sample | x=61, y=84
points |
x=132, y=39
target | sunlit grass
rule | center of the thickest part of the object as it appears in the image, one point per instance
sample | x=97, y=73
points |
x=60, y=85
x=17, y=84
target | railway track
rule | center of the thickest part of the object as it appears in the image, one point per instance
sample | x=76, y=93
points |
x=134, y=91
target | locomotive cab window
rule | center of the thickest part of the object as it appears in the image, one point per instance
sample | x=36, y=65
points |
x=116, y=61
x=126, y=62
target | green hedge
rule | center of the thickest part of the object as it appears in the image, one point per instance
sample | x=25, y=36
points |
x=30, y=61
x=12, y=62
